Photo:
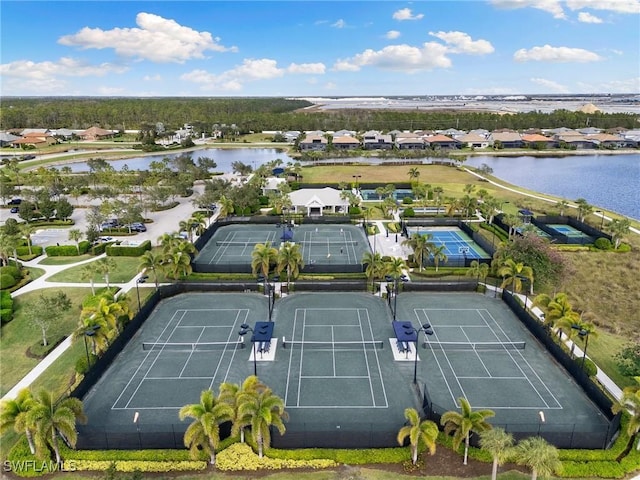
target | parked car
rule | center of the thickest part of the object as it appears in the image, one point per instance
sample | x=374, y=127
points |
x=14, y=210
x=138, y=227
x=15, y=201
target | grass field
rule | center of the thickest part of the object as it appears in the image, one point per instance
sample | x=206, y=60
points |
x=126, y=269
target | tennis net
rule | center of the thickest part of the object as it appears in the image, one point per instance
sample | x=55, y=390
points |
x=322, y=243
x=483, y=346
x=192, y=347
x=311, y=345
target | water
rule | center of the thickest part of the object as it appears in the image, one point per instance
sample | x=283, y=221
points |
x=224, y=158
x=607, y=181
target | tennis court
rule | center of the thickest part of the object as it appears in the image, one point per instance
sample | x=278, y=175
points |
x=322, y=244
x=569, y=231
x=456, y=242
x=480, y=351
x=330, y=357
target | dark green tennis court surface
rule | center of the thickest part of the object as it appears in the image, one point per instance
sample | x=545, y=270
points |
x=344, y=371
x=322, y=244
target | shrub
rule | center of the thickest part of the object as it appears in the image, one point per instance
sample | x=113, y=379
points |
x=138, y=465
x=7, y=281
x=408, y=212
x=240, y=456
x=407, y=201
x=602, y=243
x=61, y=251
x=12, y=270
x=6, y=315
x=128, y=250
x=590, y=368
x=36, y=250
x=628, y=360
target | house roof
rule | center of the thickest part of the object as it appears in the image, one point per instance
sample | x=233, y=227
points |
x=473, y=138
x=440, y=139
x=96, y=131
x=534, y=137
x=319, y=197
x=345, y=139
x=506, y=136
x=311, y=138
x=272, y=183
x=7, y=137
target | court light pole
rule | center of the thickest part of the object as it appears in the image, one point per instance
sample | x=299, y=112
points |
x=89, y=332
x=601, y=219
x=244, y=329
x=426, y=328
x=584, y=334
x=140, y=280
x=356, y=182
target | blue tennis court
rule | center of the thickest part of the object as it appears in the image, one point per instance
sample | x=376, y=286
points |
x=569, y=231
x=457, y=243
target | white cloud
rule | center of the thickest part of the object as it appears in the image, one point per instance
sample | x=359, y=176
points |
x=552, y=6
x=110, y=91
x=547, y=53
x=330, y=86
x=339, y=24
x=306, y=68
x=550, y=85
x=406, y=14
x=152, y=78
x=158, y=39
x=586, y=17
x=631, y=85
x=250, y=70
x=619, y=6
x=392, y=34
x=399, y=57
x=460, y=42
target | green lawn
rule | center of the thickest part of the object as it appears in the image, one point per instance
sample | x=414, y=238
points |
x=126, y=269
x=63, y=260
x=19, y=335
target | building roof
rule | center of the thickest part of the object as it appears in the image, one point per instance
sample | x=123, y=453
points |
x=440, y=139
x=97, y=132
x=534, y=137
x=319, y=197
x=346, y=139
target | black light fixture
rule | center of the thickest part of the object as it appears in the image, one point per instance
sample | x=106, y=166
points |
x=89, y=332
x=244, y=329
x=426, y=328
x=140, y=280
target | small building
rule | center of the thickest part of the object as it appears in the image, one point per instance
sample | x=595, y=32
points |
x=415, y=143
x=313, y=143
x=507, y=139
x=442, y=142
x=378, y=142
x=345, y=142
x=271, y=185
x=317, y=201
x=96, y=133
x=472, y=140
x=537, y=139
x=35, y=140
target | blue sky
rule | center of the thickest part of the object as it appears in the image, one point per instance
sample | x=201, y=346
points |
x=319, y=48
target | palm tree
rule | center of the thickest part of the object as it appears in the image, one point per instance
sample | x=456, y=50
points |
x=198, y=223
x=265, y=409
x=101, y=336
x=420, y=432
x=230, y=394
x=498, y=443
x=557, y=310
x=86, y=273
x=177, y=263
x=630, y=401
x=561, y=206
x=618, y=229
x=478, y=270
x=394, y=267
x=75, y=235
x=167, y=241
x=226, y=207
x=26, y=231
x=105, y=266
x=151, y=260
x=373, y=262
x=414, y=173
x=186, y=226
x=53, y=419
x=203, y=434
x=513, y=273
x=539, y=456
x=107, y=312
x=14, y=415
x=262, y=257
x=584, y=208
x=421, y=245
x=290, y=258
x=437, y=252
x=463, y=423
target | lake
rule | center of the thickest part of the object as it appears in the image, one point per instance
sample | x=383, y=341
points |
x=607, y=181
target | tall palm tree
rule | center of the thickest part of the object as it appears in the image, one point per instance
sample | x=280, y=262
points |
x=618, y=228
x=262, y=257
x=630, y=401
x=513, y=273
x=478, y=270
x=53, y=419
x=498, y=443
x=290, y=258
x=107, y=311
x=414, y=173
x=105, y=266
x=14, y=416
x=26, y=231
x=437, y=252
x=421, y=245
x=177, y=263
x=462, y=423
x=101, y=336
x=265, y=409
x=186, y=226
x=152, y=261
x=226, y=207
x=198, y=222
x=167, y=241
x=75, y=235
x=539, y=456
x=203, y=434
x=230, y=394
x=373, y=262
x=420, y=432
x=86, y=273
x=557, y=311
x=394, y=267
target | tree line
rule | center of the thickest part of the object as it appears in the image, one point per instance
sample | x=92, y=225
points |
x=259, y=114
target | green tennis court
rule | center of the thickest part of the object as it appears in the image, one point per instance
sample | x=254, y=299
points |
x=322, y=244
x=569, y=231
x=331, y=357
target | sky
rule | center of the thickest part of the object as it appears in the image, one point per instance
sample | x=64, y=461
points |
x=318, y=48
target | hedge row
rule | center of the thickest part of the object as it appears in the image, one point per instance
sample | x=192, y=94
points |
x=135, y=465
x=240, y=457
x=128, y=250
x=67, y=250
x=36, y=250
x=6, y=307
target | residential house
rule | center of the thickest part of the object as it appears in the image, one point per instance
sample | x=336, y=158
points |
x=577, y=141
x=607, y=140
x=96, y=133
x=313, y=143
x=535, y=139
x=318, y=201
x=409, y=142
x=63, y=133
x=291, y=135
x=35, y=140
x=506, y=139
x=345, y=142
x=344, y=133
x=7, y=139
x=378, y=141
x=271, y=184
x=472, y=140
x=442, y=142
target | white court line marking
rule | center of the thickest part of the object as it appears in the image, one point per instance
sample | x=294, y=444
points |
x=233, y=354
x=190, y=354
x=324, y=377
x=525, y=361
x=375, y=351
x=152, y=363
x=366, y=359
x=477, y=354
